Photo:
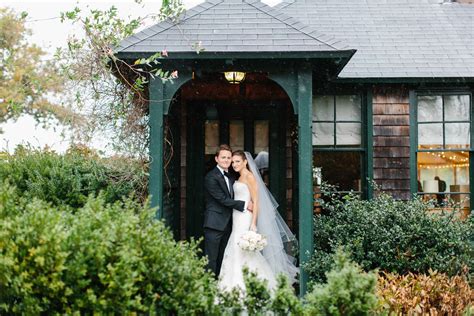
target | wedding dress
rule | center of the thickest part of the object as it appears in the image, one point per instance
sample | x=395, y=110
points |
x=235, y=259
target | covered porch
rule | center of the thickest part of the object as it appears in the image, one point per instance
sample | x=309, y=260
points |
x=269, y=111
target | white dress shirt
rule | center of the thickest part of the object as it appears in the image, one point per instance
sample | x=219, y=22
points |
x=225, y=178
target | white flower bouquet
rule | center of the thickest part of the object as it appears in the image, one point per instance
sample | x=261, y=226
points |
x=252, y=241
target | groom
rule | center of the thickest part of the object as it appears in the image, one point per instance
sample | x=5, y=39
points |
x=219, y=205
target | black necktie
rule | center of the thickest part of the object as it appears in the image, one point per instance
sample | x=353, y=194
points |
x=229, y=187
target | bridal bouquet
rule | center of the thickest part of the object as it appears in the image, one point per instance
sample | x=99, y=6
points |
x=252, y=241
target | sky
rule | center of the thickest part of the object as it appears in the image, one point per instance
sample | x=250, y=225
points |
x=49, y=33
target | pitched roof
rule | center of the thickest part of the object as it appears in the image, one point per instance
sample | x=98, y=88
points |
x=395, y=38
x=231, y=26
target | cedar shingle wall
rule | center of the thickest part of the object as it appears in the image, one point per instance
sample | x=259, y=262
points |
x=392, y=141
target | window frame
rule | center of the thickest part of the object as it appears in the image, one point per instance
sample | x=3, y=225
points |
x=413, y=99
x=366, y=146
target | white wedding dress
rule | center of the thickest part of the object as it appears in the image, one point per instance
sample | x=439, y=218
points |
x=235, y=259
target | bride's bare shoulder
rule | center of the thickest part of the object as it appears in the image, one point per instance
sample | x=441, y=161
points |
x=250, y=179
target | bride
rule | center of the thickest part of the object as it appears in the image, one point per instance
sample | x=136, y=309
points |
x=265, y=220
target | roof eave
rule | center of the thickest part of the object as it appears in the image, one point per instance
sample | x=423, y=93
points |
x=342, y=54
x=407, y=80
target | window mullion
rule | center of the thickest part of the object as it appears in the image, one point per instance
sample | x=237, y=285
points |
x=334, y=124
x=444, y=126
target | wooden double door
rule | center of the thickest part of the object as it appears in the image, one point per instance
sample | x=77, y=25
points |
x=256, y=128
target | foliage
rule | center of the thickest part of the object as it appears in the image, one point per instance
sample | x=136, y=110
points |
x=68, y=180
x=27, y=81
x=257, y=299
x=349, y=290
x=112, y=92
x=284, y=300
x=103, y=259
x=394, y=236
x=433, y=293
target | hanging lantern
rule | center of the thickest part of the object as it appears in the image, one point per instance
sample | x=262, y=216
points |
x=234, y=77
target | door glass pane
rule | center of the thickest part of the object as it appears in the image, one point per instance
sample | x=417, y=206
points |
x=348, y=108
x=348, y=134
x=261, y=136
x=456, y=108
x=323, y=108
x=457, y=135
x=323, y=134
x=236, y=135
x=430, y=135
x=342, y=169
x=211, y=142
x=430, y=108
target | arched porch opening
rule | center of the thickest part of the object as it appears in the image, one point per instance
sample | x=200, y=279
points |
x=256, y=115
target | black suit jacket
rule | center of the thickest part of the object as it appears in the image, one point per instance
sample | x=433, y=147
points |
x=219, y=202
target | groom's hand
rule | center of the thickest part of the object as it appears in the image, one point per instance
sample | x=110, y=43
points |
x=250, y=206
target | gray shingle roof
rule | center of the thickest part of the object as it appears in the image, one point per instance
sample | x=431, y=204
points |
x=395, y=38
x=231, y=26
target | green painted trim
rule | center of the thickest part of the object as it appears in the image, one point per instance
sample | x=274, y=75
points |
x=288, y=81
x=156, y=145
x=305, y=162
x=414, y=133
x=442, y=150
x=338, y=149
x=366, y=169
x=471, y=158
x=369, y=144
x=413, y=143
x=171, y=87
x=344, y=55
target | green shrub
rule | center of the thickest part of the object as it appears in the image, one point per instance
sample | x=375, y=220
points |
x=394, y=236
x=112, y=259
x=68, y=180
x=349, y=290
x=259, y=300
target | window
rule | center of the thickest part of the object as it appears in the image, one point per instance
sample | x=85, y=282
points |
x=338, y=142
x=443, y=150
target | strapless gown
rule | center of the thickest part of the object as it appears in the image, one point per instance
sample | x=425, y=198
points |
x=235, y=259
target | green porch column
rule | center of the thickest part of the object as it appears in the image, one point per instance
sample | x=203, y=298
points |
x=161, y=95
x=305, y=163
x=156, y=145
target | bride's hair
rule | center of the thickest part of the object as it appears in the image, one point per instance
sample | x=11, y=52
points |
x=241, y=154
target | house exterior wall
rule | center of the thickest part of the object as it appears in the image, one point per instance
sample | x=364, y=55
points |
x=391, y=140
x=390, y=137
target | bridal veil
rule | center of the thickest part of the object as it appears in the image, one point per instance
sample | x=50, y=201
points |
x=281, y=241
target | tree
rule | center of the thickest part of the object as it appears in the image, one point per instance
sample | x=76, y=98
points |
x=28, y=83
x=111, y=92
